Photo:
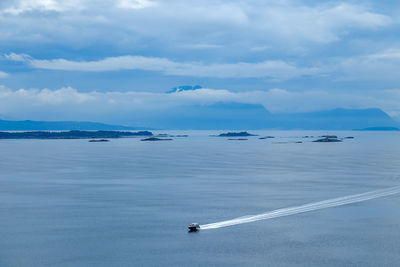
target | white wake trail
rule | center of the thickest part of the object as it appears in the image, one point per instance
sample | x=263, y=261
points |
x=305, y=208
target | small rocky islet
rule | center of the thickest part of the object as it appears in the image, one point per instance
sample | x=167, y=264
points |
x=156, y=139
x=235, y=134
x=266, y=137
x=98, y=140
x=328, y=139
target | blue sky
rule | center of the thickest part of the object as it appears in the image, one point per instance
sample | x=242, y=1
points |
x=96, y=60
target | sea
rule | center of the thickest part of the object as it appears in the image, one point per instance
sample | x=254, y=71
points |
x=128, y=203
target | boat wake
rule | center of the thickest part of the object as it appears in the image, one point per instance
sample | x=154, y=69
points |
x=335, y=202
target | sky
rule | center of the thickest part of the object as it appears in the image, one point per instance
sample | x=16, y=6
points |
x=106, y=60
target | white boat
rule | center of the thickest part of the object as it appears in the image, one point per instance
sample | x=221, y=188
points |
x=194, y=227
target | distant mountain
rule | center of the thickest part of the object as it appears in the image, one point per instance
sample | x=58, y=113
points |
x=336, y=119
x=222, y=115
x=59, y=126
x=239, y=116
x=184, y=88
x=229, y=116
x=379, y=129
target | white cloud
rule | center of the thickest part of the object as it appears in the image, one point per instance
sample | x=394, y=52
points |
x=18, y=57
x=322, y=23
x=126, y=107
x=22, y=6
x=278, y=40
x=277, y=70
x=135, y=4
x=260, y=48
x=382, y=65
x=393, y=53
x=3, y=74
x=201, y=46
x=278, y=24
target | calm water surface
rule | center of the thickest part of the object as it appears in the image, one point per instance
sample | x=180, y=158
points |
x=127, y=202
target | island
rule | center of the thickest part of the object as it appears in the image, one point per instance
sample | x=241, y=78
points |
x=156, y=139
x=75, y=134
x=328, y=139
x=329, y=136
x=267, y=137
x=235, y=134
x=98, y=140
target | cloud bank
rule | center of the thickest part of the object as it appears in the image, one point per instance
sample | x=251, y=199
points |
x=133, y=107
x=183, y=23
x=380, y=65
x=278, y=69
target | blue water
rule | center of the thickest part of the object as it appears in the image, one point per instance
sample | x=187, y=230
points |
x=127, y=202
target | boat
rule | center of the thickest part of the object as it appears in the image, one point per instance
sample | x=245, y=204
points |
x=194, y=227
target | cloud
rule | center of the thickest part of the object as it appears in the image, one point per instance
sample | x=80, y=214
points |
x=380, y=66
x=3, y=74
x=132, y=107
x=135, y=4
x=286, y=40
x=393, y=53
x=22, y=6
x=18, y=57
x=201, y=46
x=277, y=69
x=321, y=23
x=173, y=23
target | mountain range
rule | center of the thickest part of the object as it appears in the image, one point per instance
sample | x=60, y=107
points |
x=229, y=115
x=29, y=125
x=240, y=116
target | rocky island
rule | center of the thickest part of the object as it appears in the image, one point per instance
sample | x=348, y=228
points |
x=266, y=137
x=236, y=134
x=328, y=139
x=156, y=139
x=72, y=134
